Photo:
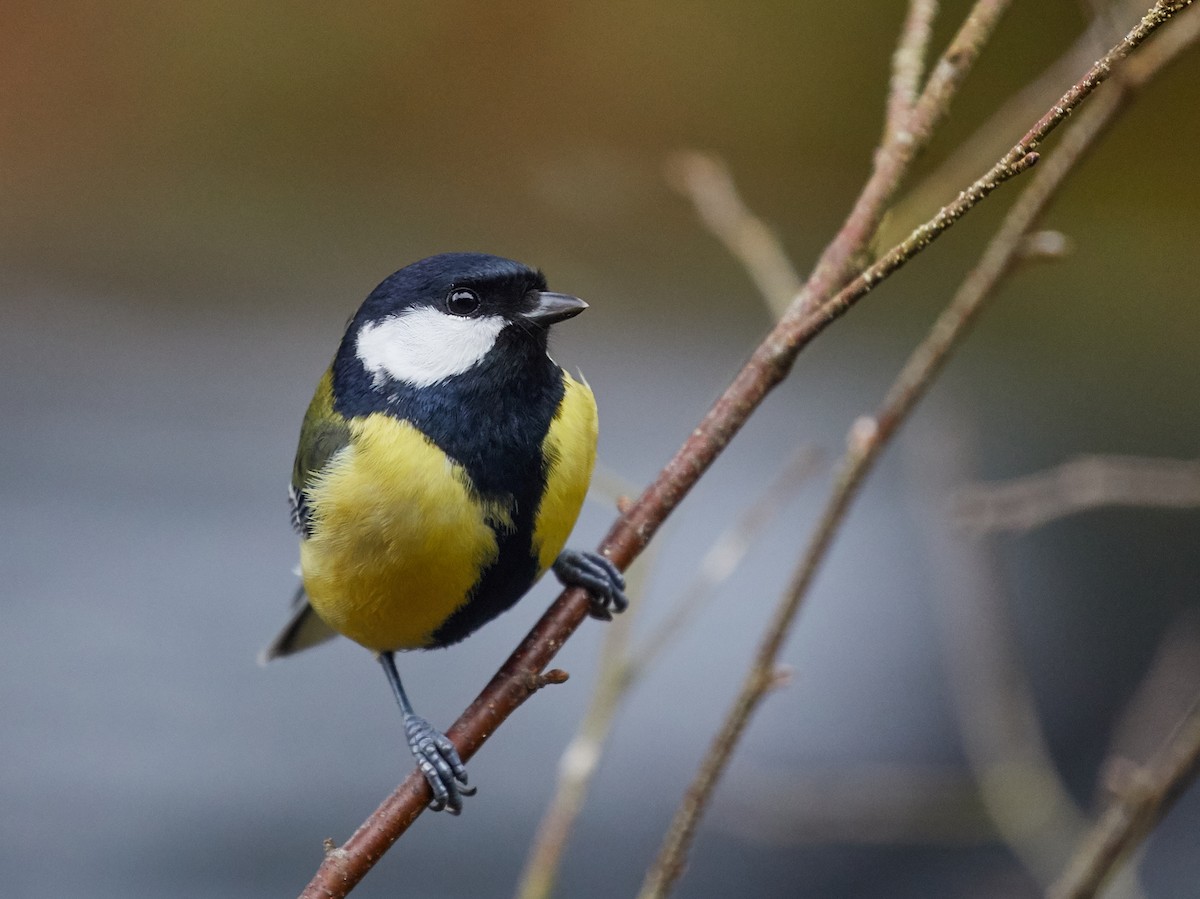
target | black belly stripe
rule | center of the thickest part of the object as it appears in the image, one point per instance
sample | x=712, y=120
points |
x=492, y=421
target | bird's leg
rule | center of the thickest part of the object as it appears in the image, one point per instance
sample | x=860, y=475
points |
x=598, y=576
x=436, y=756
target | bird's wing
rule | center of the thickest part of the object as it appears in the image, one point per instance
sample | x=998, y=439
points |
x=323, y=433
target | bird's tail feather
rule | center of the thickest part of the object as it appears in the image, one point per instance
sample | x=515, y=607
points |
x=304, y=630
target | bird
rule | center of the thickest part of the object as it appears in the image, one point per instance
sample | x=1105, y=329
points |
x=441, y=466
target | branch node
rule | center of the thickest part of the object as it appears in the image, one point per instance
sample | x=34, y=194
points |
x=782, y=677
x=550, y=677
x=1045, y=246
x=1125, y=779
x=862, y=434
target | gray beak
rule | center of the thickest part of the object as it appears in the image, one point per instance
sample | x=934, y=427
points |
x=547, y=308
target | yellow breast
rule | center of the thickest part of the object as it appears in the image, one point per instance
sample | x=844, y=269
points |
x=397, y=540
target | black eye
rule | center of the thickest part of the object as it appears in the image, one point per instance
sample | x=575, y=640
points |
x=462, y=301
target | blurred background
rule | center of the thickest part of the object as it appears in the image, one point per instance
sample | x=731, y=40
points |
x=196, y=196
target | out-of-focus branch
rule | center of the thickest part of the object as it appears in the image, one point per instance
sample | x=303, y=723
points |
x=705, y=180
x=578, y=764
x=1015, y=161
x=517, y=680
x=870, y=435
x=911, y=121
x=1159, y=702
x=1087, y=482
x=725, y=554
x=622, y=666
x=1002, y=737
x=1148, y=796
x=856, y=803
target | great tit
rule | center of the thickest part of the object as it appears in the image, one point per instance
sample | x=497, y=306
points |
x=442, y=464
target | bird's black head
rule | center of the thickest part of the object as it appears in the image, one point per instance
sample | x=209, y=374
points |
x=447, y=315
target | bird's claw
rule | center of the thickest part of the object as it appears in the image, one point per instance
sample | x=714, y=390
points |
x=439, y=762
x=598, y=576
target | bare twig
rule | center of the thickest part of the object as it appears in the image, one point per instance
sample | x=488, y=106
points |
x=1015, y=161
x=1132, y=816
x=973, y=152
x=870, y=435
x=344, y=867
x=1087, y=482
x=581, y=758
x=908, y=63
x=902, y=143
x=955, y=64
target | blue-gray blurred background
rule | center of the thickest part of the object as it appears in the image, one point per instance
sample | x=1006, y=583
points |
x=196, y=196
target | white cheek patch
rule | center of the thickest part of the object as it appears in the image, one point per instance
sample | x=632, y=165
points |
x=423, y=346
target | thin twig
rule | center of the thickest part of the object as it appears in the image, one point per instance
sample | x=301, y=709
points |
x=870, y=435
x=1132, y=816
x=1015, y=161
x=581, y=758
x=1088, y=482
x=955, y=64
x=344, y=867
x=908, y=63
x=902, y=144
x=973, y=152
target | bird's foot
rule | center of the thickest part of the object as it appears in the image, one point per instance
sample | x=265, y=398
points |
x=598, y=576
x=439, y=762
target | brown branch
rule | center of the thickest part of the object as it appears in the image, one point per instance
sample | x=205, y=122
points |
x=902, y=143
x=870, y=435
x=344, y=867
x=1131, y=817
